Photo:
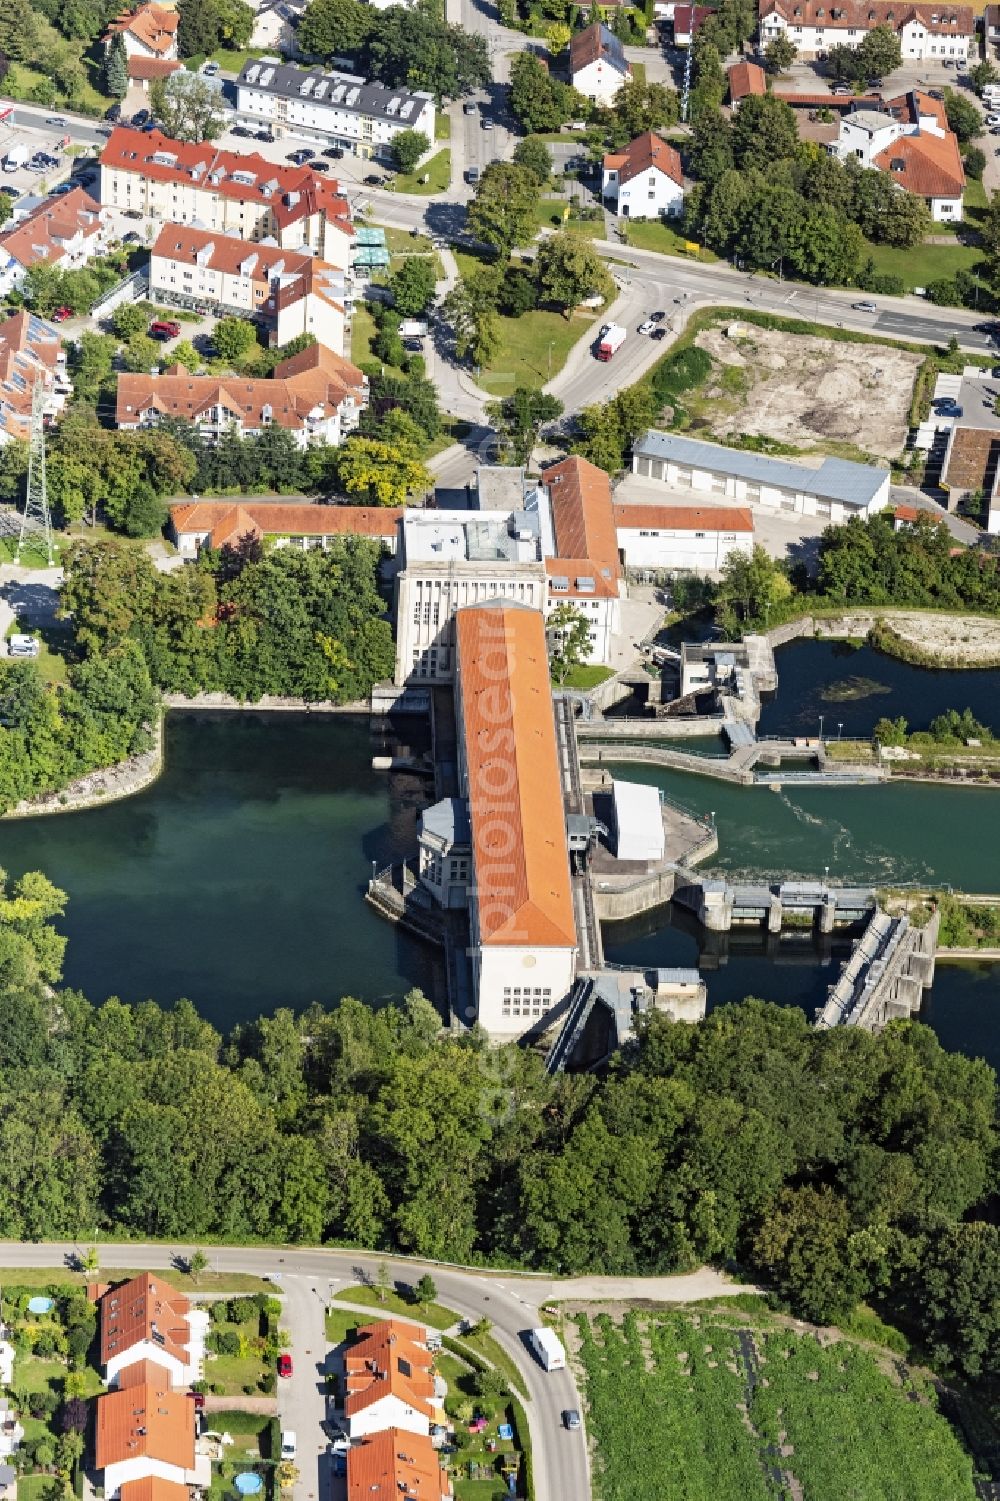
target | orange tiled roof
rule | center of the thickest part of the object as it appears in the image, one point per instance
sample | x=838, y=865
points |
x=395, y=1464
x=314, y=378
x=144, y=1419
x=291, y=193
x=224, y=520
x=153, y=26
x=641, y=155
x=43, y=235
x=745, y=79
x=582, y=517
x=153, y=1488
x=911, y=106
x=928, y=165
x=152, y=67
x=143, y=1309
x=514, y=786
x=594, y=43
x=684, y=518
x=390, y=1358
x=864, y=15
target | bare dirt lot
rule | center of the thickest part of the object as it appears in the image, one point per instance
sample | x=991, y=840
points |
x=814, y=393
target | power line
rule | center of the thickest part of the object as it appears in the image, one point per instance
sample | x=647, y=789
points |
x=36, y=522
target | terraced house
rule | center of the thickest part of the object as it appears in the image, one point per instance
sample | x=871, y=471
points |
x=146, y=1319
x=184, y=183
x=926, y=32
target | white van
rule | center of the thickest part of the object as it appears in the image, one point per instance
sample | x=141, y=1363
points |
x=23, y=646
x=548, y=1347
x=289, y=1445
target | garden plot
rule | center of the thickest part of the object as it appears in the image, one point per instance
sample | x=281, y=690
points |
x=705, y=1406
x=811, y=392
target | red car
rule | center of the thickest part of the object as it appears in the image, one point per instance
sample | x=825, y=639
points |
x=284, y=1364
x=61, y=314
x=198, y=1398
x=164, y=328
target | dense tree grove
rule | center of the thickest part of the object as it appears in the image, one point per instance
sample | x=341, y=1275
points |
x=246, y=621
x=399, y=46
x=829, y=1162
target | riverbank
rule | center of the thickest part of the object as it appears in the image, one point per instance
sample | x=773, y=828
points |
x=270, y=703
x=109, y=784
x=921, y=638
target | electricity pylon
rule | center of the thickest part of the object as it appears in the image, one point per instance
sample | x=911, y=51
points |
x=36, y=522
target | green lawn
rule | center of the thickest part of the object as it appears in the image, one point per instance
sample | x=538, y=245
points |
x=653, y=234
x=549, y=215
x=341, y=1323
x=442, y=126
x=587, y=676
x=532, y=349
x=671, y=1412
x=474, y=1453
x=34, y=1374
x=32, y=1487
x=486, y=1346
x=22, y=80
x=207, y=1282
x=229, y=62
x=926, y=263
x=437, y=171
x=363, y=334
x=434, y=1314
x=234, y=1372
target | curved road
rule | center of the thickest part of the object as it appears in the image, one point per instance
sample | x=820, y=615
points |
x=510, y=1302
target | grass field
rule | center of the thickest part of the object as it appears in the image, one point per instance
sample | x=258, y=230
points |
x=437, y=171
x=925, y=263
x=696, y=1405
x=32, y=1487
x=207, y=1282
x=587, y=676
x=549, y=215
x=532, y=348
x=473, y=1456
x=434, y=1314
x=653, y=234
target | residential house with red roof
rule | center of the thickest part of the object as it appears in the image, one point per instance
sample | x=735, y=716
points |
x=30, y=352
x=908, y=137
x=290, y=292
x=390, y=1382
x=317, y=395
x=597, y=63
x=64, y=231
x=183, y=182
x=645, y=181
x=522, y=928
x=146, y=1321
x=149, y=30
x=144, y=1432
x=927, y=33
x=396, y=1464
x=745, y=81
x=687, y=22
x=207, y=523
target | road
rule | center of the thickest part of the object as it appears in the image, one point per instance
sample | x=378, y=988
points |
x=511, y=1303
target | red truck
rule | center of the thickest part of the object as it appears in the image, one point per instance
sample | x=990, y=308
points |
x=611, y=340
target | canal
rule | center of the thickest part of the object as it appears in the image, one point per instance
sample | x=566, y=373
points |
x=236, y=880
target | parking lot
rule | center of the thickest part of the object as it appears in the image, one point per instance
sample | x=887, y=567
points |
x=29, y=132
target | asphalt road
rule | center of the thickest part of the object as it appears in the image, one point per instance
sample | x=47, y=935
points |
x=560, y=1458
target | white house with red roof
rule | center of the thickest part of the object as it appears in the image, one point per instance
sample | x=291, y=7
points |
x=148, y=31
x=390, y=1381
x=216, y=523
x=597, y=63
x=182, y=182
x=64, y=231
x=927, y=33
x=289, y=292
x=909, y=138
x=645, y=181
x=695, y=539
x=145, y=1319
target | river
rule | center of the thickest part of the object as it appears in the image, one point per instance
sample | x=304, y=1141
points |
x=236, y=880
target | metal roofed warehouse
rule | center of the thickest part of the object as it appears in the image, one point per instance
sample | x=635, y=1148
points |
x=835, y=489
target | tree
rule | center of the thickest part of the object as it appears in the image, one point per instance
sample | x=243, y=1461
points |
x=982, y=74
x=90, y=1259
x=878, y=54
x=569, y=269
x=533, y=154
x=383, y=1281
x=116, y=67
x=780, y=54
x=205, y=25
x=141, y=353
x=567, y=632
x=412, y=286
x=711, y=146
x=537, y=100
x=957, y=1271
x=640, y=106
x=764, y=132
x=130, y=318
x=749, y=589
x=471, y=309
x=407, y=148
x=518, y=418
x=188, y=106
x=234, y=338
x=975, y=162
x=426, y=1290
x=329, y=27
x=383, y=473
x=803, y=1245
x=417, y=49
x=963, y=117
x=502, y=214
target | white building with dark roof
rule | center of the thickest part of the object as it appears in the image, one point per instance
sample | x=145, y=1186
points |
x=834, y=490
x=338, y=109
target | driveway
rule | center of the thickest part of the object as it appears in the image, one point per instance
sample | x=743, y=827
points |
x=302, y=1396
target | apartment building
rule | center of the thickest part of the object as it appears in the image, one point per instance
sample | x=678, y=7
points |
x=64, y=231
x=316, y=395
x=927, y=33
x=30, y=352
x=180, y=182
x=289, y=292
x=338, y=109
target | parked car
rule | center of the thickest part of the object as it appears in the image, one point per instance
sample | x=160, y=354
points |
x=949, y=408
x=373, y=180
x=209, y=69
x=646, y=327
x=320, y=166
x=472, y=174
x=284, y=1364
x=993, y=118
x=131, y=213
x=864, y=307
x=413, y=346
x=104, y=130
x=263, y=135
x=875, y=83
x=470, y=107
x=23, y=646
x=487, y=123
x=113, y=112
x=132, y=238
x=659, y=333
x=242, y=130
x=56, y=120
x=571, y=1419
x=336, y=152
x=164, y=328
x=140, y=117
x=61, y=314
x=11, y=192
x=198, y=1398
x=289, y=1444
x=300, y=155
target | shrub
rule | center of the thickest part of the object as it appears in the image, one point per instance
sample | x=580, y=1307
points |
x=217, y=1389
x=268, y=1383
x=45, y=1344
x=242, y=1310
x=228, y=1342
x=679, y=372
